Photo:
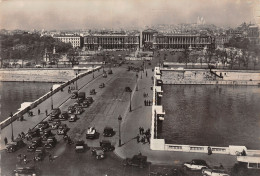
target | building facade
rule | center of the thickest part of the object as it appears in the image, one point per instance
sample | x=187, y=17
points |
x=75, y=40
x=148, y=40
x=120, y=41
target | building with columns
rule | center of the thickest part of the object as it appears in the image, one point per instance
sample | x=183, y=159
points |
x=75, y=40
x=148, y=39
x=112, y=40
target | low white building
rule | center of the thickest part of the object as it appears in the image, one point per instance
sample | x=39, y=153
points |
x=75, y=40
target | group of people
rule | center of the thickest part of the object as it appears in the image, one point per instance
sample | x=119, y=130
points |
x=147, y=102
x=143, y=136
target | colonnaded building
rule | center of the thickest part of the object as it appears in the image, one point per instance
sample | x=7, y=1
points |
x=147, y=40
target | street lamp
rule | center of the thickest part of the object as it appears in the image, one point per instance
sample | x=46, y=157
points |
x=130, y=108
x=76, y=81
x=93, y=71
x=51, y=99
x=119, y=125
x=12, y=137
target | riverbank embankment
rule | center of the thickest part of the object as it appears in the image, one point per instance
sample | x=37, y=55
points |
x=37, y=75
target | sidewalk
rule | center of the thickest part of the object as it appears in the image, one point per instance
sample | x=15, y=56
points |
x=141, y=117
x=30, y=122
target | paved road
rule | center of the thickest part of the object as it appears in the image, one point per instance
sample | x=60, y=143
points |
x=109, y=103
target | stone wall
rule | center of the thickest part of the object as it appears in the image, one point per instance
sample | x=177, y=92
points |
x=37, y=75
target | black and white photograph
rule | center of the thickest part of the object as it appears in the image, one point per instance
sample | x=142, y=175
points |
x=129, y=87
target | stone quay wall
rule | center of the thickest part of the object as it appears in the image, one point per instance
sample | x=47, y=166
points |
x=18, y=114
x=37, y=75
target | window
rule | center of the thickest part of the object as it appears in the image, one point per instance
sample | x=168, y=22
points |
x=252, y=165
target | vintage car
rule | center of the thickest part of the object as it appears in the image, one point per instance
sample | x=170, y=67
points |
x=92, y=92
x=25, y=171
x=15, y=145
x=55, y=113
x=80, y=146
x=91, y=133
x=82, y=96
x=62, y=129
x=106, y=146
x=73, y=118
x=71, y=109
x=55, y=124
x=74, y=95
x=128, y=89
x=46, y=133
x=108, y=132
x=33, y=133
x=36, y=142
x=39, y=154
x=64, y=115
x=79, y=110
x=98, y=153
x=90, y=100
x=42, y=125
x=102, y=85
x=50, y=143
x=214, y=172
x=137, y=160
x=109, y=72
x=195, y=164
x=85, y=104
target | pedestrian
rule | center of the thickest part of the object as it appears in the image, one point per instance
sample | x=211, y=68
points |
x=19, y=158
x=146, y=73
x=22, y=134
x=50, y=157
x=34, y=159
x=148, y=138
x=61, y=89
x=138, y=138
x=19, y=136
x=46, y=112
x=243, y=153
x=140, y=130
x=25, y=161
x=209, y=150
x=39, y=111
x=150, y=102
x=145, y=102
x=6, y=140
x=143, y=140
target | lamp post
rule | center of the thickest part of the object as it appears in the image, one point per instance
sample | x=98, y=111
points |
x=12, y=135
x=77, y=81
x=93, y=71
x=51, y=99
x=136, y=82
x=130, y=108
x=119, y=125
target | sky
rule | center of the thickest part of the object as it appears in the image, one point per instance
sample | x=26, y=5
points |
x=89, y=14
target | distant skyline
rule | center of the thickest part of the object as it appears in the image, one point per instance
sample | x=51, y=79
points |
x=89, y=14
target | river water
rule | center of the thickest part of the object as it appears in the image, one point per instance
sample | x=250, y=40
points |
x=13, y=94
x=211, y=115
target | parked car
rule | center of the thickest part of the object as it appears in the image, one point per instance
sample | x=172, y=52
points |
x=82, y=95
x=102, y=85
x=36, y=142
x=98, y=153
x=64, y=115
x=71, y=109
x=92, y=92
x=128, y=89
x=195, y=164
x=214, y=172
x=80, y=146
x=38, y=66
x=73, y=118
x=42, y=125
x=89, y=99
x=51, y=142
x=106, y=146
x=62, y=129
x=91, y=133
x=109, y=72
x=39, y=154
x=55, y=124
x=15, y=145
x=25, y=171
x=74, y=95
x=33, y=133
x=55, y=113
x=79, y=110
x=85, y=104
x=108, y=132
x=137, y=160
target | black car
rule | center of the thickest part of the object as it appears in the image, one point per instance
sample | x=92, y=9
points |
x=25, y=170
x=33, y=133
x=106, y=146
x=74, y=95
x=55, y=113
x=36, y=142
x=15, y=145
x=39, y=154
x=108, y=132
x=128, y=89
x=50, y=143
x=43, y=125
x=89, y=99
